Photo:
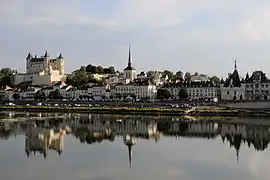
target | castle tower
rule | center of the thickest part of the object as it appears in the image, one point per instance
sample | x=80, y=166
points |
x=47, y=62
x=129, y=71
x=28, y=59
x=61, y=65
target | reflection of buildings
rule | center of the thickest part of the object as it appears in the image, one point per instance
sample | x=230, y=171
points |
x=190, y=128
x=129, y=141
x=42, y=140
x=96, y=128
x=237, y=134
x=137, y=128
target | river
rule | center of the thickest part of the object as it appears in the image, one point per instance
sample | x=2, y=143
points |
x=111, y=147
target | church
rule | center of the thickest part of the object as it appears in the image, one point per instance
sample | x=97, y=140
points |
x=233, y=88
x=129, y=71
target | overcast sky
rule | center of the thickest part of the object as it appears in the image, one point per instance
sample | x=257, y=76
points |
x=187, y=35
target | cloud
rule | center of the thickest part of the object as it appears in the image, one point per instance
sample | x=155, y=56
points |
x=202, y=31
x=49, y=12
x=257, y=25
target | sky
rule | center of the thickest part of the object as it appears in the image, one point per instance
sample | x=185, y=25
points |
x=202, y=36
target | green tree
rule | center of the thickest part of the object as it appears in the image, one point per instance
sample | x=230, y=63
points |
x=111, y=70
x=6, y=76
x=100, y=70
x=40, y=95
x=16, y=96
x=163, y=93
x=55, y=95
x=179, y=74
x=215, y=79
x=150, y=73
x=168, y=73
x=183, y=93
x=187, y=76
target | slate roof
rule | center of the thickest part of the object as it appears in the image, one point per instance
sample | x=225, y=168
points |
x=235, y=78
x=263, y=78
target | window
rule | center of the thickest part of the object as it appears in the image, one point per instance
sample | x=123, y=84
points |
x=228, y=92
x=256, y=86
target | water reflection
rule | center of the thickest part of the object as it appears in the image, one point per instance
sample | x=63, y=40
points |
x=44, y=136
x=42, y=140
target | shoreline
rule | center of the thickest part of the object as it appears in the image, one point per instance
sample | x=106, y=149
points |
x=135, y=111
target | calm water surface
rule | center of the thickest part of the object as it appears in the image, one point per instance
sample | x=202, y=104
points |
x=107, y=147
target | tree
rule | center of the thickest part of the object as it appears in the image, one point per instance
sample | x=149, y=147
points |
x=55, y=95
x=168, y=73
x=187, y=76
x=111, y=70
x=40, y=95
x=6, y=76
x=183, y=93
x=179, y=74
x=215, y=79
x=100, y=70
x=163, y=94
x=133, y=96
x=196, y=74
x=15, y=96
x=150, y=73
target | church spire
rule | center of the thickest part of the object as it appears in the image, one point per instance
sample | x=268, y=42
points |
x=129, y=56
x=46, y=54
x=235, y=67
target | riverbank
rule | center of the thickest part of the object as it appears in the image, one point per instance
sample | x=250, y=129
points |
x=132, y=111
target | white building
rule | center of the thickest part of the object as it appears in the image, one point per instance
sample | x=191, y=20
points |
x=257, y=86
x=42, y=70
x=196, y=90
x=29, y=93
x=233, y=88
x=140, y=90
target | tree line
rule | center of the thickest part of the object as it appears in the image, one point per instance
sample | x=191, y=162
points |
x=6, y=76
x=164, y=93
x=85, y=74
x=179, y=75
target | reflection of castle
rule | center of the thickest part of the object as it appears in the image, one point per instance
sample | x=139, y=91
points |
x=42, y=140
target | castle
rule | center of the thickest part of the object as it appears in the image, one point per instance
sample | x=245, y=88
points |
x=42, y=70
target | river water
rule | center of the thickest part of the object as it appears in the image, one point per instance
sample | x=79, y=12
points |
x=110, y=147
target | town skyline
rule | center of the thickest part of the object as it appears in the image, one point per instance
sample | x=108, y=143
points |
x=191, y=37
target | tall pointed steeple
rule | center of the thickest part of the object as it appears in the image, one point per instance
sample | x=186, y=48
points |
x=129, y=56
x=129, y=66
x=235, y=67
x=46, y=54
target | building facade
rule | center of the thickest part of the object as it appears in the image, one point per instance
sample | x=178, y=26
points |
x=42, y=70
x=196, y=90
x=257, y=86
x=233, y=88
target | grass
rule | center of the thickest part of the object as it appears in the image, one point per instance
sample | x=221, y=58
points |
x=117, y=109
